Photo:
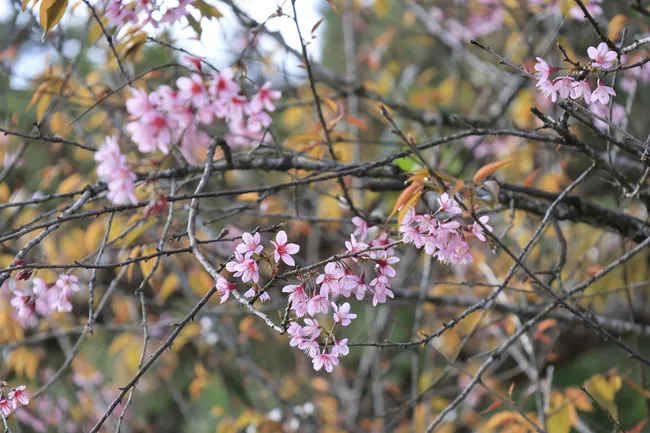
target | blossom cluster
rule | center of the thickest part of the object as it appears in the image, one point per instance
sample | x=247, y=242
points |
x=440, y=235
x=340, y=280
x=143, y=12
x=566, y=86
x=44, y=298
x=112, y=167
x=167, y=116
x=15, y=397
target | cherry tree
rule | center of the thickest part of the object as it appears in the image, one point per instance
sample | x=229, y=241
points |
x=396, y=216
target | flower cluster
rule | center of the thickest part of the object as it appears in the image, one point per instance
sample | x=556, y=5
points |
x=439, y=234
x=15, y=397
x=246, y=263
x=339, y=279
x=44, y=299
x=117, y=174
x=142, y=12
x=570, y=87
x=167, y=116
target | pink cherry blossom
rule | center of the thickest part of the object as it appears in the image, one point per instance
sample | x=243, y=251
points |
x=327, y=360
x=192, y=90
x=478, y=230
x=139, y=104
x=310, y=346
x=361, y=287
x=312, y=328
x=543, y=70
x=383, y=266
x=223, y=84
x=284, y=250
x=581, y=89
x=68, y=283
x=548, y=89
x=361, y=227
x=448, y=204
x=120, y=186
x=340, y=347
x=381, y=289
x=23, y=303
x=18, y=394
x=297, y=334
x=564, y=86
x=250, y=245
x=263, y=99
x=236, y=106
x=329, y=281
x=118, y=14
x=153, y=131
x=258, y=121
x=602, y=93
x=317, y=304
x=109, y=157
x=6, y=406
x=264, y=297
x=249, y=270
x=232, y=266
x=342, y=314
x=297, y=293
x=224, y=287
x=353, y=247
x=62, y=303
x=602, y=57
x=192, y=62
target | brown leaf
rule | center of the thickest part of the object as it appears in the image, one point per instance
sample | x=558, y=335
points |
x=318, y=23
x=405, y=196
x=489, y=169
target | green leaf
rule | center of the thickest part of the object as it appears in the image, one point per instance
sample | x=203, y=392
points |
x=207, y=10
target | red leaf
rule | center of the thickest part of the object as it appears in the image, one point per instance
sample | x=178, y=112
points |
x=493, y=406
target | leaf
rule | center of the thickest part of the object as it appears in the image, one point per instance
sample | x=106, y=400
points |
x=24, y=362
x=42, y=105
x=24, y=5
x=51, y=13
x=357, y=122
x=170, y=285
x=502, y=419
x=579, y=399
x=318, y=23
x=405, y=196
x=489, y=169
x=615, y=26
x=413, y=201
x=194, y=24
x=207, y=10
x=136, y=233
x=635, y=386
x=493, y=406
x=382, y=7
x=560, y=421
x=146, y=266
x=72, y=183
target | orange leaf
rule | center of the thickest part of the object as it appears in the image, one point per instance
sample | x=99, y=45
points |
x=512, y=388
x=528, y=180
x=546, y=324
x=490, y=169
x=357, y=122
x=405, y=196
x=493, y=406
